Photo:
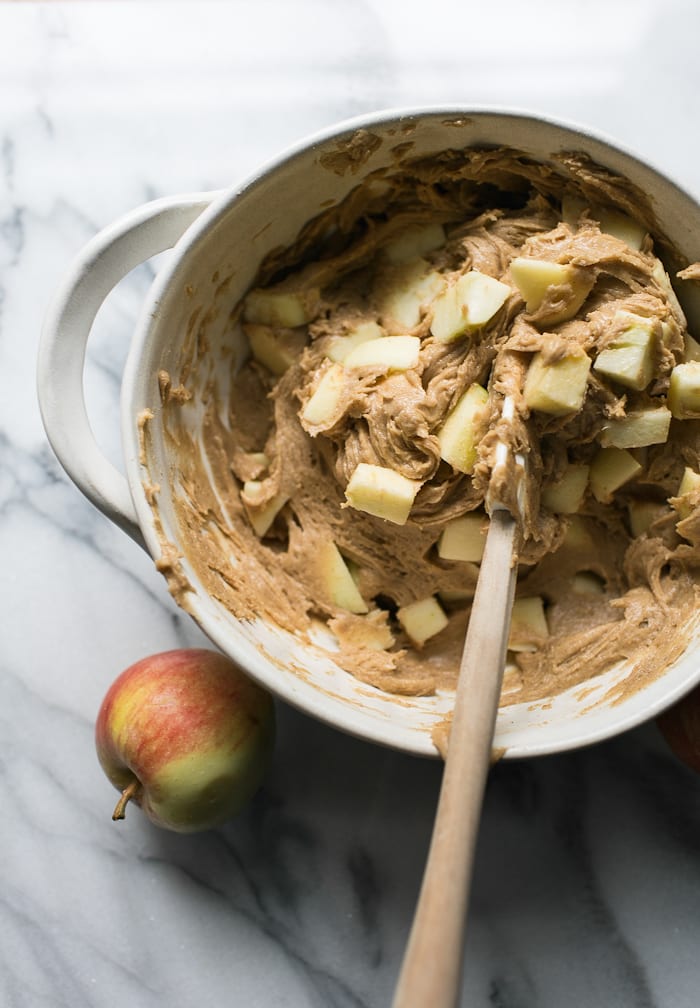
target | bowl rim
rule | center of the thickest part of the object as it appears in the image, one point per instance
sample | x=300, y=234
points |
x=167, y=275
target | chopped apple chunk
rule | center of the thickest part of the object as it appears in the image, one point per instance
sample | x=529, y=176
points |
x=538, y=279
x=464, y=538
x=512, y=677
x=341, y=346
x=261, y=516
x=612, y=222
x=458, y=436
x=667, y=333
x=566, y=496
x=619, y=225
x=557, y=387
x=381, y=492
x=467, y=305
x=279, y=307
x=423, y=619
x=414, y=242
x=691, y=351
x=638, y=429
x=610, y=469
x=323, y=402
x=337, y=580
x=528, y=624
x=392, y=353
x=684, y=391
x=689, y=484
x=275, y=349
x=629, y=358
x=643, y=514
x=249, y=465
x=405, y=292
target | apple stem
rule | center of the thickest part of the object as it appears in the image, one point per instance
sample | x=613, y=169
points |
x=129, y=792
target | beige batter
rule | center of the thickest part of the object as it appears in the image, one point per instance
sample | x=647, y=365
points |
x=494, y=206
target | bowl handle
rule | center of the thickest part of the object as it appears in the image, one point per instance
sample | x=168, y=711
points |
x=102, y=263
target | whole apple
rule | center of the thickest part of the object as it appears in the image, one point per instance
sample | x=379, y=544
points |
x=680, y=726
x=187, y=736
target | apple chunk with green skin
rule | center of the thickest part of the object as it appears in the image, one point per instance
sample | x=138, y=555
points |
x=629, y=358
x=538, y=278
x=422, y=620
x=381, y=492
x=186, y=736
x=261, y=515
x=467, y=305
x=458, y=436
x=559, y=386
x=334, y=575
x=684, y=391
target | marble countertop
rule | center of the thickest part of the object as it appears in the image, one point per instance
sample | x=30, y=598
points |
x=587, y=885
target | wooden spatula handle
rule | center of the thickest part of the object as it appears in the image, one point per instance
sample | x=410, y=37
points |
x=431, y=972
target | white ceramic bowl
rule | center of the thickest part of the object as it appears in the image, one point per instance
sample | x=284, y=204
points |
x=219, y=239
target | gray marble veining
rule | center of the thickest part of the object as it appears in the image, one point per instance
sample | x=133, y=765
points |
x=587, y=885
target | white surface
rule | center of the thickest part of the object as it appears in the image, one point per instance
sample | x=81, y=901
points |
x=587, y=874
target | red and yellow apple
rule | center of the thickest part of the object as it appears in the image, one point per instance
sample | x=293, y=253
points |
x=186, y=735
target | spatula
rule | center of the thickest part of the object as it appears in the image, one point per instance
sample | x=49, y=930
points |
x=431, y=972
